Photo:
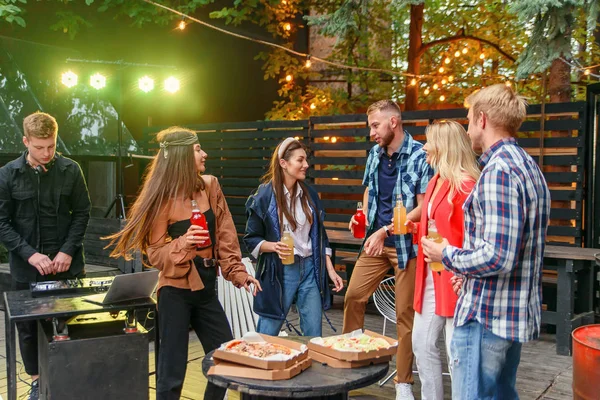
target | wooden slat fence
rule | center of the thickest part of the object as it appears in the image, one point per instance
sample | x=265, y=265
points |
x=239, y=154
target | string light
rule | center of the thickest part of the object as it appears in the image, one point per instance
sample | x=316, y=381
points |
x=146, y=84
x=464, y=51
x=426, y=91
x=441, y=70
x=325, y=138
x=435, y=86
x=482, y=56
x=312, y=106
x=181, y=25
x=450, y=78
x=586, y=71
x=289, y=78
x=333, y=139
x=444, y=81
x=447, y=60
x=413, y=82
x=308, y=63
x=171, y=84
x=297, y=137
x=457, y=53
x=442, y=98
x=287, y=26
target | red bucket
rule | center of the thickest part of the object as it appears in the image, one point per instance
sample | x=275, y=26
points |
x=586, y=362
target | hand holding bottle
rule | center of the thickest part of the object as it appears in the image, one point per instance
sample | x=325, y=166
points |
x=196, y=236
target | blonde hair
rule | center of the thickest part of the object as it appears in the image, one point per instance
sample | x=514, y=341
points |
x=452, y=155
x=40, y=125
x=503, y=107
x=385, y=106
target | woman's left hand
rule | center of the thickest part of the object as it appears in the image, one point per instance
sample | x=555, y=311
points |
x=250, y=280
x=338, y=283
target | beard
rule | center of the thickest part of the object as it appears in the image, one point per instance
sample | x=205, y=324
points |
x=387, y=138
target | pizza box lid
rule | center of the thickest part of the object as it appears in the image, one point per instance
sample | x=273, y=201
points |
x=243, y=371
x=357, y=355
x=335, y=363
x=255, y=362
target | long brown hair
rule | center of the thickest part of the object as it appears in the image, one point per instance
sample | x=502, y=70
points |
x=171, y=175
x=275, y=176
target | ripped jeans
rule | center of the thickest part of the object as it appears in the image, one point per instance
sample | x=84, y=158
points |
x=484, y=365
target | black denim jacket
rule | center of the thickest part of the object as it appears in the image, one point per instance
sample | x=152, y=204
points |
x=19, y=213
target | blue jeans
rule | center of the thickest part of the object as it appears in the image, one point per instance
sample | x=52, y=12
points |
x=484, y=366
x=298, y=282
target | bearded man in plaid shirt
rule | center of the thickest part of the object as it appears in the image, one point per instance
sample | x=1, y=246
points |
x=395, y=166
x=506, y=219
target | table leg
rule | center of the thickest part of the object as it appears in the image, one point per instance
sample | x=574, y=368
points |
x=11, y=357
x=564, y=307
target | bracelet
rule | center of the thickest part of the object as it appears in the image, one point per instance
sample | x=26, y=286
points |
x=387, y=231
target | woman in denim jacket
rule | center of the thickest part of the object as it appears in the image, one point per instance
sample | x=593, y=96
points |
x=284, y=199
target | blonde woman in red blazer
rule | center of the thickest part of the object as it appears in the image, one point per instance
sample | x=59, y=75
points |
x=449, y=152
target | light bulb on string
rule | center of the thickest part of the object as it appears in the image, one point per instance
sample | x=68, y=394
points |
x=181, y=26
x=413, y=82
x=450, y=78
x=441, y=70
x=287, y=26
x=447, y=60
x=312, y=106
x=289, y=78
x=482, y=56
x=457, y=53
x=69, y=79
x=444, y=81
x=426, y=91
x=464, y=51
x=586, y=72
x=436, y=86
x=308, y=63
x=442, y=98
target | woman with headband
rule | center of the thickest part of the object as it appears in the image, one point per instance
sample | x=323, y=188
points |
x=159, y=225
x=284, y=199
x=449, y=152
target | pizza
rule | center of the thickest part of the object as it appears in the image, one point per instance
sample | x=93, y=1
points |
x=257, y=349
x=356, y=343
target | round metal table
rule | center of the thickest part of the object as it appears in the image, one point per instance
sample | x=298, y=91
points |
x=317, y=382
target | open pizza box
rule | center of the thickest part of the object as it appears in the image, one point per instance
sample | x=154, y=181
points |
x=335, y=363
x=273, y=362
x=242, y=371
x=317, y=346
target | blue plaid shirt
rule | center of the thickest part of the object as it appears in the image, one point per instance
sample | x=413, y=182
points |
x=413, y=176
x=506, y=219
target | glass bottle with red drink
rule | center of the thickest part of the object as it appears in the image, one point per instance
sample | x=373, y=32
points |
x=200, y=220
x=359, y=230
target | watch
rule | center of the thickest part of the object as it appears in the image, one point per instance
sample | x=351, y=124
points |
x=387, y=231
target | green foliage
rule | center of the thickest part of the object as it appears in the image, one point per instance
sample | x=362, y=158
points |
x=10, y=11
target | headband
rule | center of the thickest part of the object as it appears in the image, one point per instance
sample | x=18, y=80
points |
x=284, y=145
x=186, y=141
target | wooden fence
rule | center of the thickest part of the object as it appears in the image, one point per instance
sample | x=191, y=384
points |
x=239, y=154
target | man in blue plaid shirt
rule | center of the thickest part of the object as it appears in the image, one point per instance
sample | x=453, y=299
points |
x=506, y=218
x=395, y=166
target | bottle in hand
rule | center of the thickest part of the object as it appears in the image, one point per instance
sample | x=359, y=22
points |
x=432, y=234
x=289, y=240
x=359, y=230
x=200, y=220
x=399, y=217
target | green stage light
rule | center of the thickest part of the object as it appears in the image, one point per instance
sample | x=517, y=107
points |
x=146, y=84
x=97, y=81
x=69, y=79
x=171, y=84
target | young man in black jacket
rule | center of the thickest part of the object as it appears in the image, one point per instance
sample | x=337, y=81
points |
x=44, y=212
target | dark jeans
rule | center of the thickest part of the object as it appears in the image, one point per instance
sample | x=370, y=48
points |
x=177, y=310
x=28, y=334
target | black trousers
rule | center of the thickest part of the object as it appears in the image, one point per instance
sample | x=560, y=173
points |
x=178, y=309
x=28, y=333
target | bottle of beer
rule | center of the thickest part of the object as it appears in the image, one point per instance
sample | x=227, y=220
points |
x=289, y=240
x=399, y=217
x=432, y=234
x=200, y=220
x=359, y=230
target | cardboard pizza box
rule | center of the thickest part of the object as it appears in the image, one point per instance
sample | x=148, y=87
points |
x=335, y=363
x=243, y=371
x=358, y=355
x=254, y=362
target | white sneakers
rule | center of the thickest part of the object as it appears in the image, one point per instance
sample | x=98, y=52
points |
x=404, y=391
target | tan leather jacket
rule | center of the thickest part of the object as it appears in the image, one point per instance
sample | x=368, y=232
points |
x=175, y=261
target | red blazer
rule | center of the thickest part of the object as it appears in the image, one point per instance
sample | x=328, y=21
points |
x=451, y=229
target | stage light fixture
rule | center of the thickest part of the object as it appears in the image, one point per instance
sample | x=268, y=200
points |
x=171, y=84
x=69, y=79
x=97, y=81
x=146, y=84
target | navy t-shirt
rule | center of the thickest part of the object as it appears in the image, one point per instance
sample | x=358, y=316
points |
x=387, y=176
